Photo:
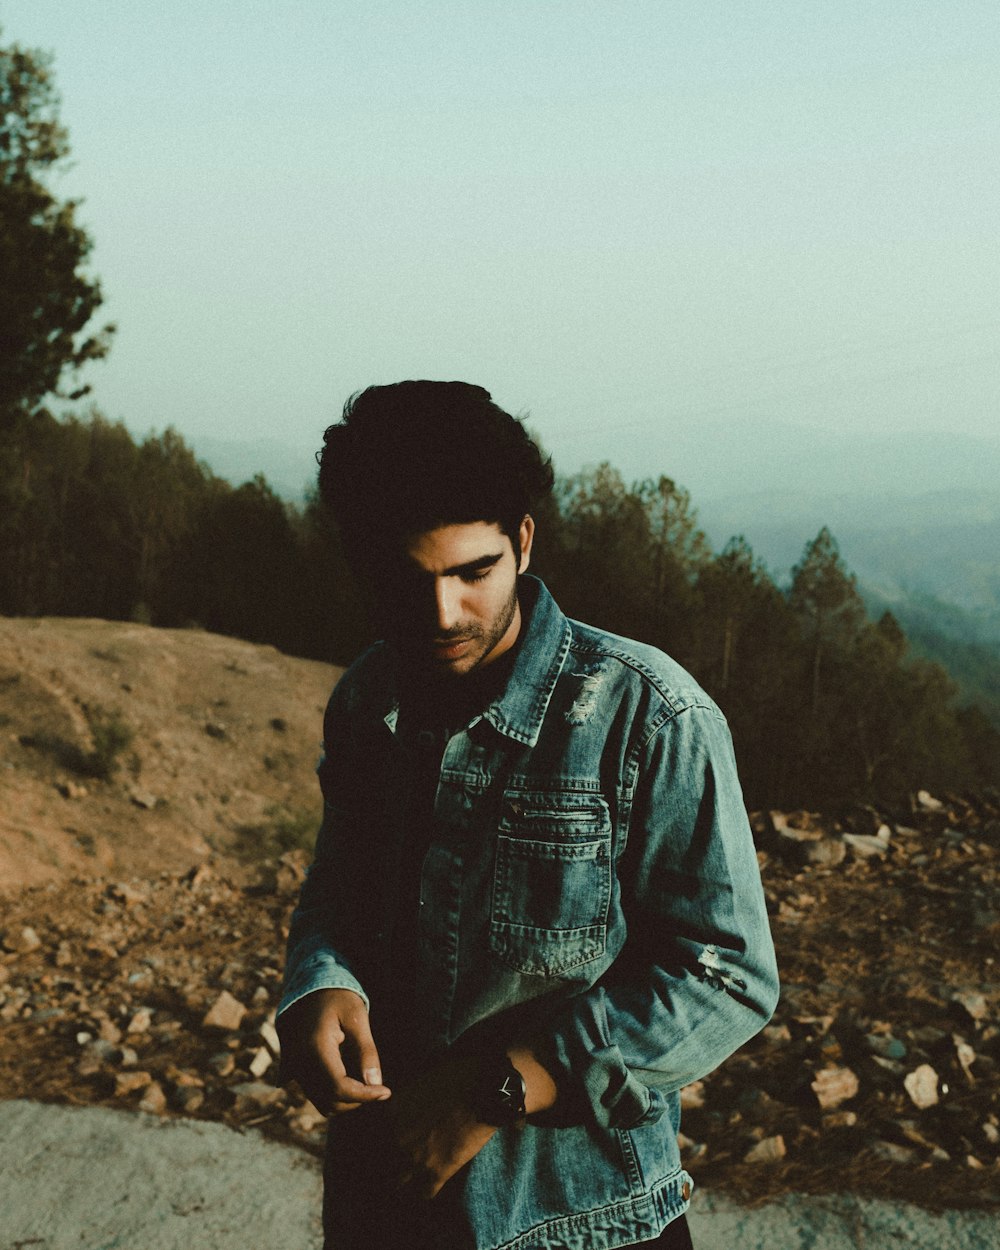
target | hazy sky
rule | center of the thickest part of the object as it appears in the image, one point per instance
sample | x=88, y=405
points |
x=622, y=216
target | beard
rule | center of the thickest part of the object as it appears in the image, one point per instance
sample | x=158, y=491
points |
x=417, y=649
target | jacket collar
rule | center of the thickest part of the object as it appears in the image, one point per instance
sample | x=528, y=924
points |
x=519, y=711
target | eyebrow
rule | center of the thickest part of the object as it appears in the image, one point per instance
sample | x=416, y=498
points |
x=473, y=566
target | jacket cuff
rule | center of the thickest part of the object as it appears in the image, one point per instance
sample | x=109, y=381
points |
x=315, y=969
x=595, y=1084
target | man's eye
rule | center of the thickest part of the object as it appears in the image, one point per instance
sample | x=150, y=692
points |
x=476, y=577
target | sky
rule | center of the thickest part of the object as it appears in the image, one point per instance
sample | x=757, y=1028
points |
x=634, y=220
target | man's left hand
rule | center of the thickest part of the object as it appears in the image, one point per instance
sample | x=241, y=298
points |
x=434, y=1128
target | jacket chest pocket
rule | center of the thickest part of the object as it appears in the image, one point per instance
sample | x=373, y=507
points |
x=551, y=884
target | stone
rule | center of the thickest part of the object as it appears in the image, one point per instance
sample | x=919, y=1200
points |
x=973, y=1004
x=143, y=798
x=225, y=1014
x=22, y=941
x=261, y=1061
x=892, y=1152
x=840, y=1119
x=141, y=1020
x=130, y=1082
x=769, y=1150
x=187, y=1099
x=130, y=895
x=198, y=875
x=108, y=1031
x=928, y=803
x=886, y=1045
x=823, y=853
x=269, y=1034
x=966, y=1056
x=251, y=1096
x=832, y=1086
x=866, y=846
x=154, y=1100
x=693, y=1096
x=223, y=1064
x=922, y=1086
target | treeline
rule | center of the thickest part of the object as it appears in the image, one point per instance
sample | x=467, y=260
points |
x=827, y=708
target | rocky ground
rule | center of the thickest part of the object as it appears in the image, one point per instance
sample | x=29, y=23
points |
x=879, y=1074
x=154, y=787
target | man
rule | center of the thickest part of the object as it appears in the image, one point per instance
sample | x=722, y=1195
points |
x=534, y=912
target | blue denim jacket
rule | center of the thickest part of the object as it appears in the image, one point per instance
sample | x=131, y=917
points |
x=591, y=887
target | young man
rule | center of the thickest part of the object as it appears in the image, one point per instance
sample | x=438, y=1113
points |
x=534, y=912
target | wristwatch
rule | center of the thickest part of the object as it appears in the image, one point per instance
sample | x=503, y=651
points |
x=500, y=1093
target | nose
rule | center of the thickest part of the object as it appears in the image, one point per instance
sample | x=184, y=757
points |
x=447, y=604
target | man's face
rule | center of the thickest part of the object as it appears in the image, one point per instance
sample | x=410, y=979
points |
x=451, y=603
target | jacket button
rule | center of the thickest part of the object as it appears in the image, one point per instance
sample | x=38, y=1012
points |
x=685, y=1191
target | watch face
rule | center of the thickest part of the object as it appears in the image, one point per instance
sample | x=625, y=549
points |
x=502, y=1098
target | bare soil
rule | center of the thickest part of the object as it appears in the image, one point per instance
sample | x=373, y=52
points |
x=155, y=789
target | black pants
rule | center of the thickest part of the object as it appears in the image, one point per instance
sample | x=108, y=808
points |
x=676, y=1236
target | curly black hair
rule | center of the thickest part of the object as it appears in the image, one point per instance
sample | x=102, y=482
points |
x=411, y=456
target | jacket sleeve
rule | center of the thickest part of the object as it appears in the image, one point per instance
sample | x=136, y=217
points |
x=696, y=976
x=319, y=940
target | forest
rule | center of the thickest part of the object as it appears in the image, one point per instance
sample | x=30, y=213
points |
x=827, y=707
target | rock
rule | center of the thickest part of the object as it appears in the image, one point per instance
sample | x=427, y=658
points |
x=223, y=1064
x=187, y=1099
x=154, y=1100
x=143, y=798
x=867, y=846
x=922, y=1086
x=261, y=1061
x=769, y=1150
x=225, y=1014
x=777, y=1034
x=891, y=1152
x=108, y=1031
x=928, y=803
x=693, y=1096
x=269, y=1034
x=216, y=730
x=181, y=1077
x=198, y=875
x=832, y=1086
x=140, y=1021
x=974, y=1005
x=129, y=1082
x=840, y=1119
x=306, y=1119
x=22, y=941
x=127, y=894
x=886, y=1045
x=251, y=1096
x=966, y=1056
x=71, y=790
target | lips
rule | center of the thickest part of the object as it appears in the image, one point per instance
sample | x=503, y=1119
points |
x=450, y=648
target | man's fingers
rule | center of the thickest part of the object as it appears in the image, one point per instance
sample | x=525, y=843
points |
x=359, y=1037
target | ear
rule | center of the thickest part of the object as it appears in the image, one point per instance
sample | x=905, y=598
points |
x=526, y=537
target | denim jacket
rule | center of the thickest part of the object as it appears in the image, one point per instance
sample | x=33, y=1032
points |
x=591, y=887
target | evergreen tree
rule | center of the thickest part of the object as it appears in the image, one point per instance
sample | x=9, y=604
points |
x=48, y=299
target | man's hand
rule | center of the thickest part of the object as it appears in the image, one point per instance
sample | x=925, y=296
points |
x=327, y=1046
x=433, y=1129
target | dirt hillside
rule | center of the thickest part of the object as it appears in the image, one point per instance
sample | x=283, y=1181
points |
x=156, y=793
x=128, y=749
